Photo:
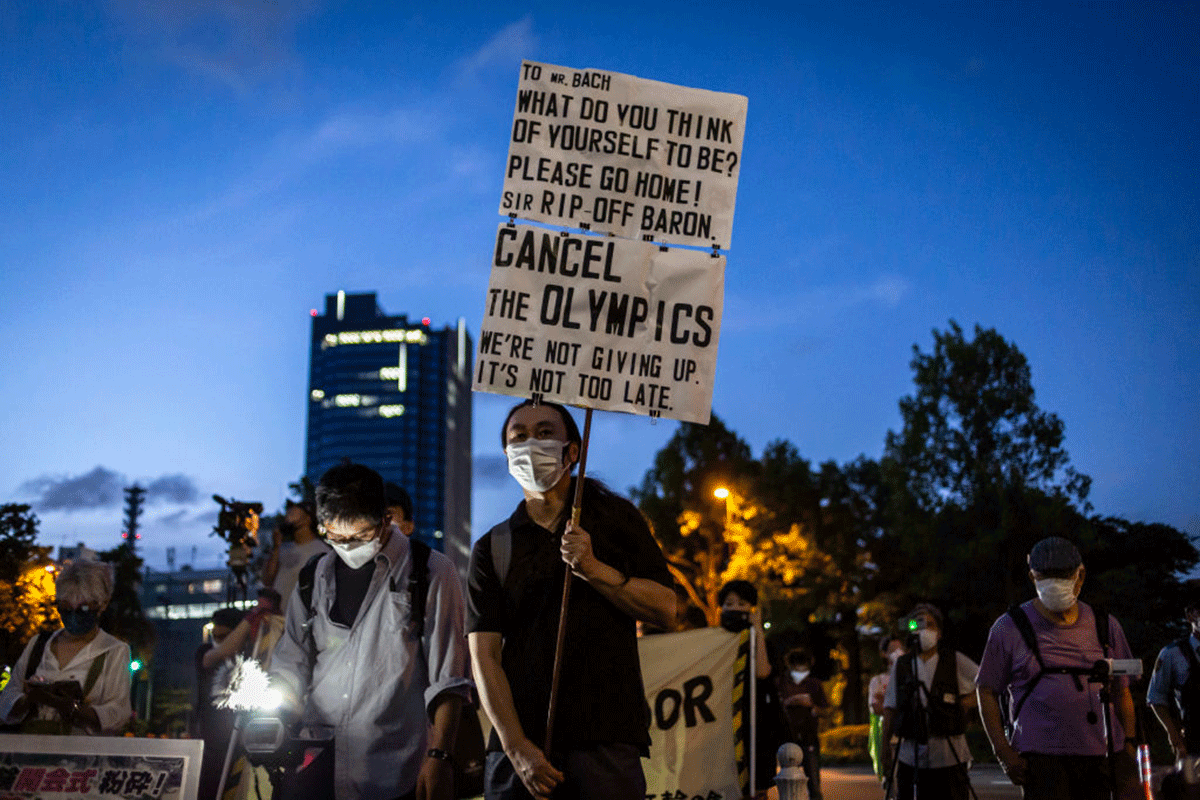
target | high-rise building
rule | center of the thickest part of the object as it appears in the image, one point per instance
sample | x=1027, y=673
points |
x=396, y=396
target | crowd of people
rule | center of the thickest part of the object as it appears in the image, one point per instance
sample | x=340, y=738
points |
x=376, y=651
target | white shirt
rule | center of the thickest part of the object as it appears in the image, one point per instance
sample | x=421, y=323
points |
x=292, y=558
x=109, y=695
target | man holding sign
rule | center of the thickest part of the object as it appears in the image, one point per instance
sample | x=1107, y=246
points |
x=515, y=582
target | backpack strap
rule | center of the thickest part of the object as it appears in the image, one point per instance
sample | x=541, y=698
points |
x=93, y=673
x=501, y=537
x=1025, y=627
x=418, y=584
x=35, y=655
x=308, y=575
x=1101, y=616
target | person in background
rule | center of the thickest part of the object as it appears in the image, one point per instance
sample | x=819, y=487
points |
x=1174, y=691
x=928, y=695
x=738, y=600
x=74, y=680
x=891, y=647
x=293, y=543
x=400, y=507
x=213, y=667
x=803, y=699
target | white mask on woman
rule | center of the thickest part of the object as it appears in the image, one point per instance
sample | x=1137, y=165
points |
x=537, y=464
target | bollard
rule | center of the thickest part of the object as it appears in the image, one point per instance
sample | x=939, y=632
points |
x=790, y=779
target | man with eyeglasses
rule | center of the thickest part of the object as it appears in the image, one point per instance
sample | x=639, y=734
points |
x=356, y=659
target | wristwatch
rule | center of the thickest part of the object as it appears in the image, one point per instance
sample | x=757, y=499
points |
x=440, y=755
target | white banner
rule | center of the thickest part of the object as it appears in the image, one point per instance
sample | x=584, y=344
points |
x=602, y=323
x=689, y=680
x=99, y=767
x=624, y=155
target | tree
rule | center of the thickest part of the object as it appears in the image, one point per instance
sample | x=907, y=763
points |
x=972, y=425
x=802, y=536
x=26, y=585
x=677, y=498
x=979, y=473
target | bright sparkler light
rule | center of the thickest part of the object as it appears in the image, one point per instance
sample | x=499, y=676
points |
x=249, y=688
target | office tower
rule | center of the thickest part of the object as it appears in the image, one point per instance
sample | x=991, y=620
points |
x=395, y=396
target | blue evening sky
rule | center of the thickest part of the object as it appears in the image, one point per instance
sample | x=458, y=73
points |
x=180, y=183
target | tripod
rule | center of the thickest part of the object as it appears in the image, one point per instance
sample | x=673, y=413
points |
x=918, y=709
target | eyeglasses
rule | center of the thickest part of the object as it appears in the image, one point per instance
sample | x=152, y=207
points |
x=364, y=535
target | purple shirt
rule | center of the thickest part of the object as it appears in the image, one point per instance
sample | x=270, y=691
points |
x=1057, y=718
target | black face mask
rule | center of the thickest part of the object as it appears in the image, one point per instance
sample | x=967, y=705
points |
x=735, y=621
x=288, y=530
x=79, y=621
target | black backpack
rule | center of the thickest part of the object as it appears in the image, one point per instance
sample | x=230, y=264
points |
x=1021, y=619
x=469, y=752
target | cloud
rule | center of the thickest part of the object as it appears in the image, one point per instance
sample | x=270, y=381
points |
x=511, y=44
x=490, y=471
x=100, y=488
x=104, y=488
x=175, y=489
x=236, y=44
x=354, y=130
x=747, y=312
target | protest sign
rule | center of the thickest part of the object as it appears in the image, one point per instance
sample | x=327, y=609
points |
x=689, y=679
x=100, y=767
x=601, y=322
x=623, y=155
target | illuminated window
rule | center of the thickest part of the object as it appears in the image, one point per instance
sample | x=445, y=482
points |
x=318, y=394
x=391, y=411
x=213, y=586
x=348, y=400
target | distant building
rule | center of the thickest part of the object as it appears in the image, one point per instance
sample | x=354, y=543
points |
x=395, y=396
x=179, y=604
x=81, y=550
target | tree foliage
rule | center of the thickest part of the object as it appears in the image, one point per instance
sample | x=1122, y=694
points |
x=972, y=425
x=976, y=476
x=26, y=586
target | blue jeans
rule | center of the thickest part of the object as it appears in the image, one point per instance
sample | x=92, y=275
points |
x=594, y=772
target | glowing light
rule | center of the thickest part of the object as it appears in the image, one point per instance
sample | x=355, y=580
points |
x=721, y=493
x=49, y=568
x=390, y=373
x=135, y=665
x=317, y=394
x=399, y=335
x=249, y=688
x=348, y=400
x=313, y=312
x=425, y=321
x=391, y=411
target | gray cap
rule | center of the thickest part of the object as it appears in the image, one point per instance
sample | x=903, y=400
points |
x=1054, y=554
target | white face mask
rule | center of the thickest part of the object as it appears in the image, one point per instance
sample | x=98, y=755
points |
x=894, y=656
x=537, y=464
x=1056, y=594
x=929, y=639
x=357, y=554
x=798, y=675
